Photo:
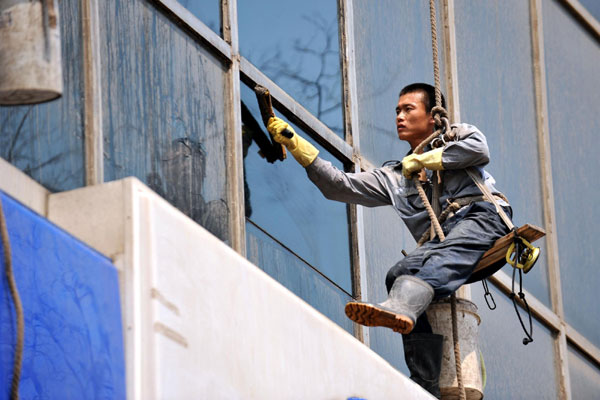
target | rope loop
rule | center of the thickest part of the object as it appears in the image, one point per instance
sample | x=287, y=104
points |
x=439, y=113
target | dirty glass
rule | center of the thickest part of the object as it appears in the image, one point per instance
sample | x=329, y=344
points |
x=286, y=204
x=393, y=49
x=295, y=274
x=584, y=376
x=514, y=371
x=295, y=43
x=46, y=141
x=207, y=11
x=572, y=59
x=496, y=86
x=164, y=118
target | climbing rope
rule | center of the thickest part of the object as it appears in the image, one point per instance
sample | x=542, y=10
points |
x=441, y=122
x=461, y=387
x=452, y=207
x=14, y=292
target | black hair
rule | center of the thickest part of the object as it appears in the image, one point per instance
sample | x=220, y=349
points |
x=428, y=94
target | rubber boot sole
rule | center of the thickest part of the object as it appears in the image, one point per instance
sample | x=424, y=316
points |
x=368, y=314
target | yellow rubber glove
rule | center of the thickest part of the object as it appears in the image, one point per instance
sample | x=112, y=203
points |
x=304, y=152
x=415, y=162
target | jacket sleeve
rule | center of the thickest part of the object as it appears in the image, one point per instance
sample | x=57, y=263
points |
x=369, y=189
x=470, y=149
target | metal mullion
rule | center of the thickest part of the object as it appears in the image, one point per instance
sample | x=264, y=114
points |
x=188, y=20
x=451, y=60
x=543, y=129
x=296, y=113
x=349, y=85
x=92, y=119
x=351, y=130
x=590, y=22
x=582, y=343
x=235, y=158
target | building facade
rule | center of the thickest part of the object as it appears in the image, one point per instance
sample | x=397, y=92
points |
x=162, y=90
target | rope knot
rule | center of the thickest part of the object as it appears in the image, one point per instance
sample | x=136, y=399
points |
x=438, y=113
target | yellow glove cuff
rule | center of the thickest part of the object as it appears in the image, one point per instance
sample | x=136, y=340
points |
x=411, y=164
x=415, y=162
x=304, y=152
x=432, y=159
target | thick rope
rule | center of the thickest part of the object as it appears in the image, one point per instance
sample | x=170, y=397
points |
x=421, y=191
x=434, y=47
x=430, y=212
x=14, y=386
x=434, y=220
x=457, y=361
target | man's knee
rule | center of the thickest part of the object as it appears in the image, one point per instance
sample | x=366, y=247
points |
x=397, y=270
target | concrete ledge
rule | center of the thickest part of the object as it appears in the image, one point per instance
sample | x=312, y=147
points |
x=22, y=188
x=203, y=322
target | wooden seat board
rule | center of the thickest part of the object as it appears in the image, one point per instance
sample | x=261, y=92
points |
x=529, y=232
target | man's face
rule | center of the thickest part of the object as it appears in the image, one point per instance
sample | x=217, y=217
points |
x=413, y=122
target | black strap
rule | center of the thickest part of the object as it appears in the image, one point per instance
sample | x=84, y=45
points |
x=529, y=338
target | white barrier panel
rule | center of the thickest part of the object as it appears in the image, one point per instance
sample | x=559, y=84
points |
x=202, y=322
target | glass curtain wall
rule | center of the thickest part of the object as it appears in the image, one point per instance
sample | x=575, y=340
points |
x=572, y=59
x=496, y=86
x=164, y=111
x=167, y=119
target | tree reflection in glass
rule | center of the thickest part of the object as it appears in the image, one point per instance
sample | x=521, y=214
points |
x=296, y=45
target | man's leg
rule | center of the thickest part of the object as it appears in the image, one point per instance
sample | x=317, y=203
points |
x=436, y=268
x=423, y=351
x=408, y=298
x=449, y=264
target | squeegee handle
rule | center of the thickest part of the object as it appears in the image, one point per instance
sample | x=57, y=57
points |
x=266, y=107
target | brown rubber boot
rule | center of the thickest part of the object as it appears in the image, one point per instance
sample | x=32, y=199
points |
x=407, y=300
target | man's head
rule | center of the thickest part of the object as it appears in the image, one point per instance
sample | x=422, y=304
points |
x=414, y=121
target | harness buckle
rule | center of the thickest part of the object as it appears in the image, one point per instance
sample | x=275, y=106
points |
x=527, y=257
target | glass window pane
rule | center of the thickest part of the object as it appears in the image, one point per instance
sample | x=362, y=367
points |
x=495, y=72
x=46, y=141
x=572, y=59
x=514, y=371
x=584, y=375
x=295, y=43
x=393, y=49
x=296, y=275
x=285, y=203
x=207, y=11
x=164, y=117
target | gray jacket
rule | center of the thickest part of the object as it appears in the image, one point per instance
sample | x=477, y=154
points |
x=387, y=186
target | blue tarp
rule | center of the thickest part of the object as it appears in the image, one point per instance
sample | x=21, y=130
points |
x=70, y=294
